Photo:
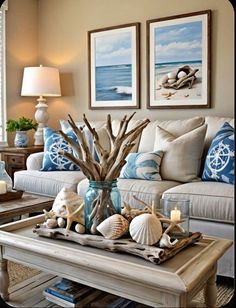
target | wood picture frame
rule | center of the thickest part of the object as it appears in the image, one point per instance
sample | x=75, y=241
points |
x=178, y=61
x=114, y=67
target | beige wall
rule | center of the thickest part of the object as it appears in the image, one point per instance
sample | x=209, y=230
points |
x=62, y=42
x=21, y=51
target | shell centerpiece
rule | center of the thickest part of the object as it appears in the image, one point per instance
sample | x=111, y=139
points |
x=113, y=227
x=145, y=229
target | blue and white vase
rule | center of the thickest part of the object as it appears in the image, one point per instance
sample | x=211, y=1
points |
x=21, y=139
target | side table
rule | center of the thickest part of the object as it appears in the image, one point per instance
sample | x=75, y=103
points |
x=15, y=158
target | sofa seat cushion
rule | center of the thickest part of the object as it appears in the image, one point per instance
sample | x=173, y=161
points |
x=148, y=191
x=209, y=200
x=46, y=183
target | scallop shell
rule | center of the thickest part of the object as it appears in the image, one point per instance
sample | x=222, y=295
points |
x=113, y=227
x=69, y=198
x=145, y=229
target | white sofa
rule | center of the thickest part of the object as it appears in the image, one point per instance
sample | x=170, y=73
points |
x=212, y=203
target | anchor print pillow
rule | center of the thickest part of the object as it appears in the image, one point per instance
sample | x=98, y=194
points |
x=53, y=143
x=219, y=163
x=145, y=166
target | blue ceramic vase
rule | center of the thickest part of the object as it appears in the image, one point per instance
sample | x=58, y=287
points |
x=21, y=139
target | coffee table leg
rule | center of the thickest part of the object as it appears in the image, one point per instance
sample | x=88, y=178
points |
x=211, y=291
x=4, y=278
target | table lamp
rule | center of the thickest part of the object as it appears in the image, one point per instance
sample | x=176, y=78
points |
x=41, y=81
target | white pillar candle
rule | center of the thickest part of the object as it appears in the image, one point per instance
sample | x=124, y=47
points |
x=3, y=187
x=175, y=214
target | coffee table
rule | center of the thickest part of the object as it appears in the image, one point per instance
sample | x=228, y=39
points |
x=174, y=283
x=29, y=203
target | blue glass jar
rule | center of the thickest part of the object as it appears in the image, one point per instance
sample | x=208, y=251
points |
x=102, y=200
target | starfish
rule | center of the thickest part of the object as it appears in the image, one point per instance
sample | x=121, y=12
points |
x=73, y=216
x=50, y=214
x=172, y=224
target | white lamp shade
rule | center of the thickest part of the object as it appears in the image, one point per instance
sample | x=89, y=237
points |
x=41, y=81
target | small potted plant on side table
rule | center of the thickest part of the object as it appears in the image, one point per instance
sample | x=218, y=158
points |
x=21, y=126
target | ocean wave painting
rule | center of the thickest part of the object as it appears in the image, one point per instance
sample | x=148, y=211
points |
x=114, y=60
x=114, y=82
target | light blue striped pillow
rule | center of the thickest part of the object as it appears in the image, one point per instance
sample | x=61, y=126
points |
x=144, y=166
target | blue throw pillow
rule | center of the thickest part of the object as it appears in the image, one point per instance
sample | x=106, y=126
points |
x=145, y=166
x=219, y=164
x=53, y=143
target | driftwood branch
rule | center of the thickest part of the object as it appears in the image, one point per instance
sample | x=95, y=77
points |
x=153, y=254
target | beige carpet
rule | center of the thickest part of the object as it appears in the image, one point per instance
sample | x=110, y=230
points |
x=18, y=273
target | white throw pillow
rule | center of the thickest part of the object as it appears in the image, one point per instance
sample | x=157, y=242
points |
x=182, y=155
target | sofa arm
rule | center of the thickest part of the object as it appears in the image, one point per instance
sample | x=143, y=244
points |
x=34, y=161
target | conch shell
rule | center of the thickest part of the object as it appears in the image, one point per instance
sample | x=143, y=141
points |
x=69, y=198
x=145, y=229
x=165, y=241
x=113, y=227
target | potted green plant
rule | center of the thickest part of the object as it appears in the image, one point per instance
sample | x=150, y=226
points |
x=21, y=126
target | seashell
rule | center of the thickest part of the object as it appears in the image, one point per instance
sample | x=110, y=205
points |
x=181, y=74
x=69, y=198
x=171, y=75
x=165, y=241
x=172, y=80
x=79, y=228
x=113, y=227
x=61, y=222
x=51, y=223
x=145, y=229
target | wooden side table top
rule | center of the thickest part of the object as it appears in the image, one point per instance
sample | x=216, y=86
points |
x=26, y=150
x=171, y=284
x=29, y=203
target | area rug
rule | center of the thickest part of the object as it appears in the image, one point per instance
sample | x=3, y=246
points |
x=18, y=273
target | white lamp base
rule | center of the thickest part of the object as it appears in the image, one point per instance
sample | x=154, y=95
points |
x=41, y=116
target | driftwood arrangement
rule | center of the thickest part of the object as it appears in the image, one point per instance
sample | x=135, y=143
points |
x=151, y=253
x=110, y=163
x=139, y=232
x=182, y=77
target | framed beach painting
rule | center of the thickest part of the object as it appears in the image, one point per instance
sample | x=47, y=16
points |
x=114, y=68
x=178, y=61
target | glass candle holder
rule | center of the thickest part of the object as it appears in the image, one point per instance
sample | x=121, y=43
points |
x=177, y=210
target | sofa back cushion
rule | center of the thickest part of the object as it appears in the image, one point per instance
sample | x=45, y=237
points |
x=175, y=127
x=102, y=132
x=213, y=125
x=131, y=125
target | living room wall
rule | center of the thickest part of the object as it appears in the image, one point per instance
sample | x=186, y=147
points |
x=62, y=42
x=21, y=51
